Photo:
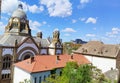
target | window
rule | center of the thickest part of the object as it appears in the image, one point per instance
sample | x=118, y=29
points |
x=35, y=80
x=6, y=62
x=60, y=73
x=5, y=76
x=44, y=78
x=26, y=56
x=40, y=79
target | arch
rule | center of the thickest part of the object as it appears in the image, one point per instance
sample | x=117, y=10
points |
x=26, y=51
x=27, y=55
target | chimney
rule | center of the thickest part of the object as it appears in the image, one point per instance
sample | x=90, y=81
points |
x=58, y=58
x=31, y=59
x=39, y=34
x=16, y=42
x=71, y=55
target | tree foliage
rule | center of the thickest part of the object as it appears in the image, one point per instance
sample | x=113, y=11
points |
x=74, y=73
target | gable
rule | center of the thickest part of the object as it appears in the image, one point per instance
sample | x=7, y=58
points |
x=28, y=42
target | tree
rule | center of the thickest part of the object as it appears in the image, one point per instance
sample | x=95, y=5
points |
x=74, y=73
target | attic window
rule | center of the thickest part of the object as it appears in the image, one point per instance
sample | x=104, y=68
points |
x=94, y=49
x=98, y=52
x=106, y=50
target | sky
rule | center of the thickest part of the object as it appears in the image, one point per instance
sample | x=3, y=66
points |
x=75, y=19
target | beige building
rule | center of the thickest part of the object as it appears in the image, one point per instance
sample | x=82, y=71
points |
x=104, y=56
x=17, y=44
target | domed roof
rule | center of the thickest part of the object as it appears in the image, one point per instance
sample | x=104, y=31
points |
x=19, y=12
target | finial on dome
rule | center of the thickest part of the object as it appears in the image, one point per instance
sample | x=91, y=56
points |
x=20, y=6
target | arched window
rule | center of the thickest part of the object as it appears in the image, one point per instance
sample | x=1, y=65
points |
x=27, y=56
x=6, y=62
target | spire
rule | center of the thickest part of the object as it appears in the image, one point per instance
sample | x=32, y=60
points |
x=20, y=6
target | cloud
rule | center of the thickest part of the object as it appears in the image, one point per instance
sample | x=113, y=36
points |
x=35, y=8
x=44, y=22
x=114, y=32
x=35, y=25
x=82, y=19
x=90, y=35
x=74, y=21
x=56, y=29
x=67, y=34
x=8, y=6
x=91, y=20
x=68, y=30
x=84, y=1
x=2, y=27
x=59, y=8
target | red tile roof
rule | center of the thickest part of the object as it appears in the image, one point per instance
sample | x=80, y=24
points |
x=49, y=62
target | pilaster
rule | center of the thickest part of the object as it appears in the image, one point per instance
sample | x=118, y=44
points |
x=1, y=63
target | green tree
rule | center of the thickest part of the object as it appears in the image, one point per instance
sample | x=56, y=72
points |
x=74, y=73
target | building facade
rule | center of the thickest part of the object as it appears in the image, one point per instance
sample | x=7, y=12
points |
x=17, y=44
x=38, y=68
x=103, y=56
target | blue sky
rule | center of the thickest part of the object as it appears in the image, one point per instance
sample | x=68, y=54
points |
x=84, y=19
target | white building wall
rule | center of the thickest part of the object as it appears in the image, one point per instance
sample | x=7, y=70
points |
x=52, y=51
x=7, y=51
x=104, y=64
x=20, y=75
x=27, y=45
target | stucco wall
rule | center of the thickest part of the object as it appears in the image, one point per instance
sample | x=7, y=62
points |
x=104, y=64
x=52, y=51
x=20, y=75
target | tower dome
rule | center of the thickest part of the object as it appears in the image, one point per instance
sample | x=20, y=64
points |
x=19, y=12
x=18, y=23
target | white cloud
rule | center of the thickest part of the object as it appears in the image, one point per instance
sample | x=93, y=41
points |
x=82, y=19
x=44, y=22
x=91, y=20
x=67, y=34
x=68, y=30
x=56, y=29
x=35, y=8
x=84, y=1
x=90, y=35
x=8, y=6
x=114, y=32
x=60, y=8
x=74, y=21
x=2, y=27
x=35, y=25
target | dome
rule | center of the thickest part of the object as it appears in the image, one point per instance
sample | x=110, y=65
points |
x=19, y=12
